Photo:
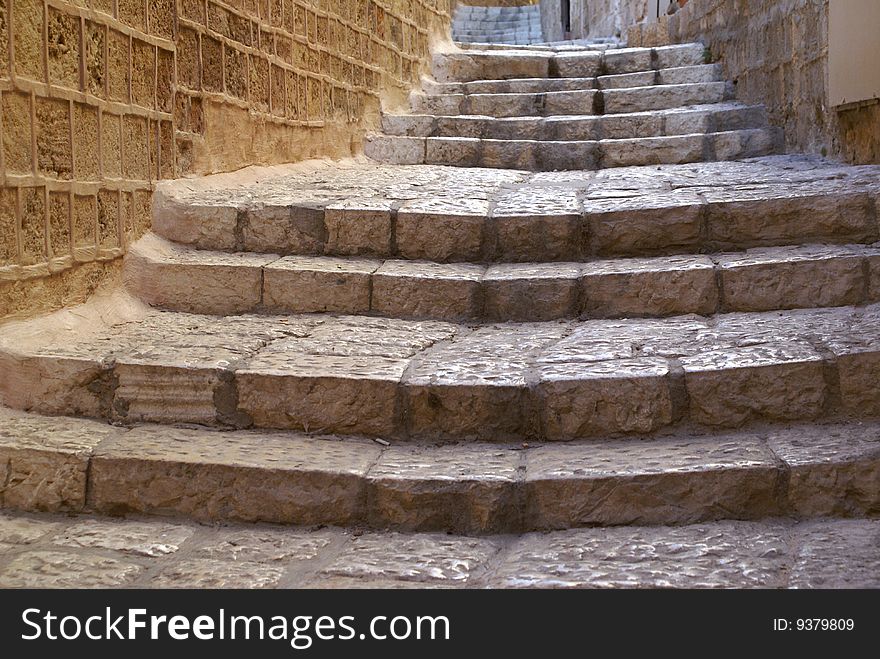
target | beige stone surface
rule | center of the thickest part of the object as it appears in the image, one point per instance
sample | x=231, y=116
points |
x=423, y=289
x=309, y=284
x=57, y=569
x=138, y=538
x=206, y=573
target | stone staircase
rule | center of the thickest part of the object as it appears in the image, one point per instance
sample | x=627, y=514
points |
x=481, y=349
x=573, y=109
x=506, y=25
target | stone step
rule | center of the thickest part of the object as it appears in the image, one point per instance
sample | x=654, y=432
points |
x=576, y=102
x=74, y=465
x=572, y=155
x=448, y=214
x=429, y=381
x=469, y=65
x=688, y=120
x=682, y=75
x=178, y=278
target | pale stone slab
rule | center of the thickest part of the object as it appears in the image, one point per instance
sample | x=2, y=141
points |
x=773, y=382
x=531, y=292
x=421, y=558
x=225, y=476
x=17, y=530
x=441, y=229
x=311, y=284
x=206, y=573
x=358, y=227
x=649, y=287
x=590, y=399
x=464, y=488
x=129, y=537
x=719, y=555
x=44, y=461
x=658, y=481
x=423, y=289
x=266, y=545
x=836, y=554
x=55, y=569
x=833, y=469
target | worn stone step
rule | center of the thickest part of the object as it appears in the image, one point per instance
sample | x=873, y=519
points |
x=694, y=119
x=683, y=75
x=469, y=65
x=448, y=214
x=432, y=381
x=178, y=278
x=570, y=155
x=74, y=465
x=576, y=102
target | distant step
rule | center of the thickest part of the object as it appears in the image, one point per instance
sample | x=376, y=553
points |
x=74, y=465
x=535, y=155
x=436, y=381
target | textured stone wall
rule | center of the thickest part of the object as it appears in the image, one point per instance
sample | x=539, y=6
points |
x=777, y=53
x=605, y=18
x=100, y=98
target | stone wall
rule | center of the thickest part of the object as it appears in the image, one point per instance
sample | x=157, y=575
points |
x=100, y=98
x=777, y=53
x=592, y=18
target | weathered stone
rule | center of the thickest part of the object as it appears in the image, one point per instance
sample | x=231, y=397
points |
x=723, y=555
x=441, y=229
x=655, y=287
x=166, y=275
x=590, y=399
x=422, y=558
x=467, y=489
x=358, y=226
x=833, y=470
x=662, y=481
x=206, y=573
x=55, y=569
x=838, y=554
x=308, y=284
x=791, y=277
x=531, y=292
x=15, y=530
x=224, y=476
x=775, y=382
x=266, y=545
x=129, y=537
x=44, y=461
x=420, y=289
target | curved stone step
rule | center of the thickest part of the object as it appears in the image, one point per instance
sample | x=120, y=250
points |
x=73, y=465
x=695, y=119
x=448, y=214
x=575, y=102
x=681, y=75
x=178, y=278
x=469, y=65
x=433, y=381
x=572, y=155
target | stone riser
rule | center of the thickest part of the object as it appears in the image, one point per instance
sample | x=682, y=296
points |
x=685, y=121
x=537, y=156
x=429, y=381
x=583, y=102
x=672, y=223
x=680, y=76
x=470, y=65
x=166, y=276
x=289, y=479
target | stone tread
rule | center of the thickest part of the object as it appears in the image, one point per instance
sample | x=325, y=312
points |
x=571, y=102
x=684, y=120
x=87, y=551
x=469, y=65
x=436, y=381
x=179, y=278
x=573, y=155
x=678, y=75
x=76, y=465
x=449, y=214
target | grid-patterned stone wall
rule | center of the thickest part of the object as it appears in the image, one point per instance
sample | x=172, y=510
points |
x=777, y=53
x=100, y=98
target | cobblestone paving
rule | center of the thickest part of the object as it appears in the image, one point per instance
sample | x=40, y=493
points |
x=63, y=552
